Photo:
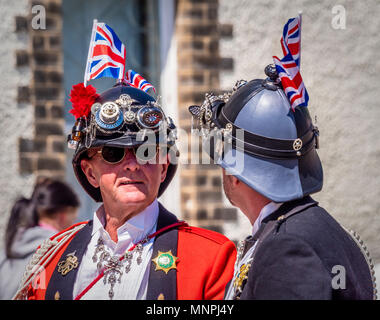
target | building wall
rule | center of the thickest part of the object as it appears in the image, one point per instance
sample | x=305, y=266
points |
x=340, y=68
x=31, y=108
x=16, y=113
x=171, y=198
x=199, y=60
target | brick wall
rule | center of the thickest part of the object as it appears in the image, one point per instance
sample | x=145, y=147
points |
x=44, y=154
x=16, y=113
x=199, y=63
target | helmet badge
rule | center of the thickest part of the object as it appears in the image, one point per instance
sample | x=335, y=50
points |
x=297, y=144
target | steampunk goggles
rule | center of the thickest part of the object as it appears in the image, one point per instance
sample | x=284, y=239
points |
x=123, y=116
x=110, y=116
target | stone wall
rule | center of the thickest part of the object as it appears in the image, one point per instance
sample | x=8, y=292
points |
x=44, y=153
x=17, y=114
x=340, y=68
x=31, y=105
x=199, y=61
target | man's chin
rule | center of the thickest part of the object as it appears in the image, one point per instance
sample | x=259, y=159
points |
x=131, y=191
x=132, y=199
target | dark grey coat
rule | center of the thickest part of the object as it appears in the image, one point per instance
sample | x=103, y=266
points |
x=296, y=259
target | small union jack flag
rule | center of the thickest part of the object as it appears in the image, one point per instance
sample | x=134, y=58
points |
x=135, y=80
x=106, y=55
x=288, y=68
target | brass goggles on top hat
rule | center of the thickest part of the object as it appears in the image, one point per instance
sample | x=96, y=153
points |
x=120, y=116
x=110, y=115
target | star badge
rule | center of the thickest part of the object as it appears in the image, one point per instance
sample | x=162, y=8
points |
x=165, y=261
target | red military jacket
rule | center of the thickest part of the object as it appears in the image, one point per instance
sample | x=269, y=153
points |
x=204, y=266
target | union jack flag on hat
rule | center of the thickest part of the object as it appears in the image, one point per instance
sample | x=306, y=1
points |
x=106, y=55
x=135, y=80
x=288, y=67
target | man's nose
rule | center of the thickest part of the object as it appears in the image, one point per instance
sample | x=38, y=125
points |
x=130, y=162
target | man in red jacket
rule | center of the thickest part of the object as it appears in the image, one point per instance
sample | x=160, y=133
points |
x=133, y=248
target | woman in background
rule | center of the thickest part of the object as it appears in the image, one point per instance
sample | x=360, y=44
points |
x=52, y=207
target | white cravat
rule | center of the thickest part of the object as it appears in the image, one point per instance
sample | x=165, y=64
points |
x=265, y=212
x=134, y=284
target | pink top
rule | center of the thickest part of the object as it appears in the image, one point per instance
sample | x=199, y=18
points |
x=47, y=226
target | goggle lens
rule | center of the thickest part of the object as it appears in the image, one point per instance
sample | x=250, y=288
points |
x=115, y=155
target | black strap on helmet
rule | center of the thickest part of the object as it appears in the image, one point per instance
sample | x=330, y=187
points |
x=270, y=147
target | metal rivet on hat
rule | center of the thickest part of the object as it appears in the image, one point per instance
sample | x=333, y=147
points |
x=297, y=144
x=95, y=107
x=129, y=116
x=125, y=100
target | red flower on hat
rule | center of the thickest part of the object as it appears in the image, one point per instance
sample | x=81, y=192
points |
x=82, y=98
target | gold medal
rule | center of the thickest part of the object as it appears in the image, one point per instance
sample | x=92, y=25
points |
x=165, y=261
x=241, y=276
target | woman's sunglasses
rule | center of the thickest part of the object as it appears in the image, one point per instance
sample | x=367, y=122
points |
x=115, y=155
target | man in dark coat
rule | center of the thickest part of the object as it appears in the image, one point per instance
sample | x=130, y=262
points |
x=270, y=167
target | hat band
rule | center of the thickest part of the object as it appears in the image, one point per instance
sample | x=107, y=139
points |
x=269, y=147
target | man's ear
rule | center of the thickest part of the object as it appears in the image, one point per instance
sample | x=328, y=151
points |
x=88, y=170
x=233, y=181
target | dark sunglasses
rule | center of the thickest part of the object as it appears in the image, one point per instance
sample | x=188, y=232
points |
x=115, y=155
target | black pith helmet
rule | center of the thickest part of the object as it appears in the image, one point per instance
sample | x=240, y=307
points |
x=122, y=116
